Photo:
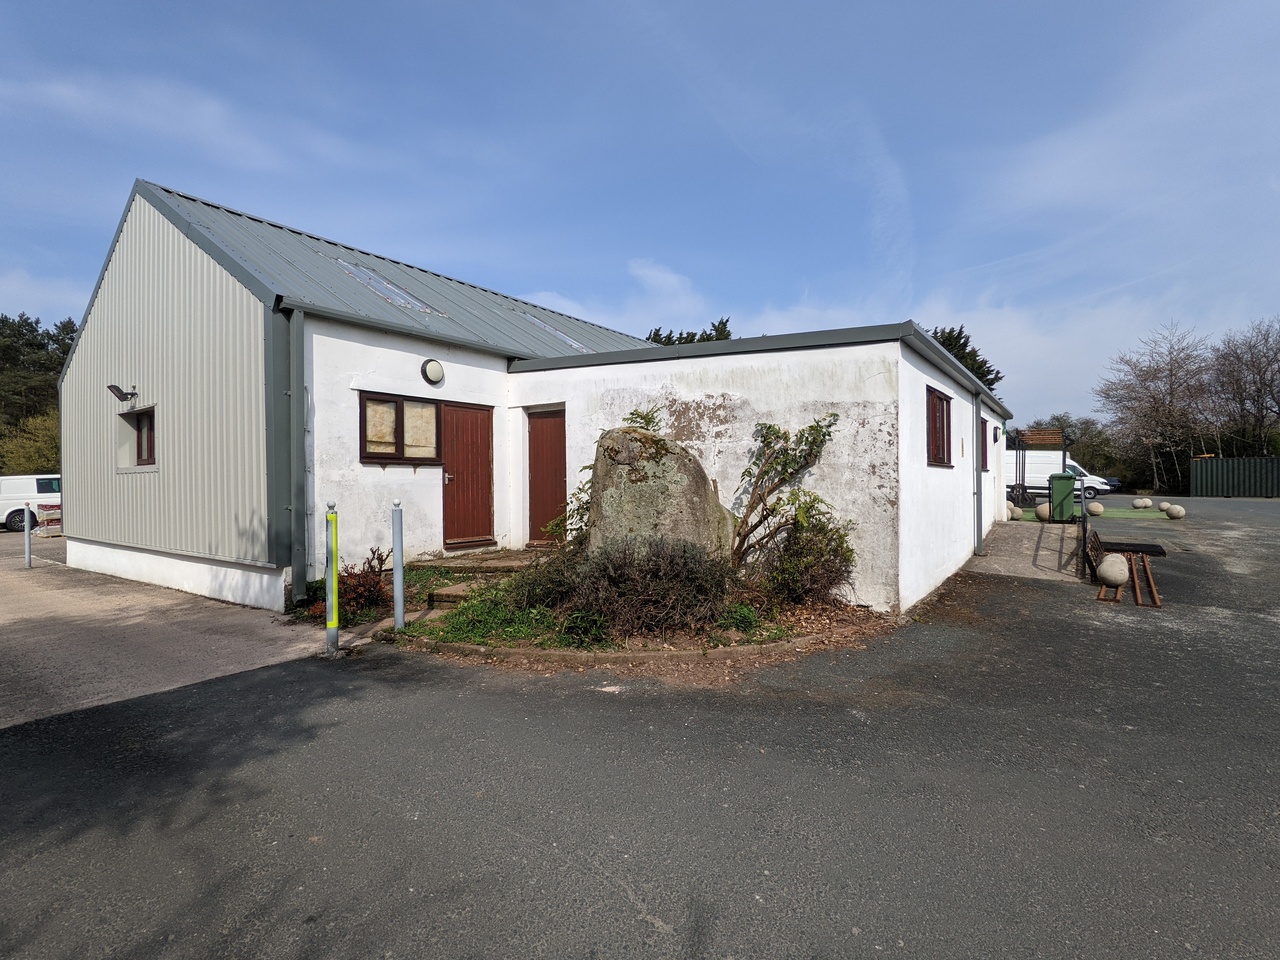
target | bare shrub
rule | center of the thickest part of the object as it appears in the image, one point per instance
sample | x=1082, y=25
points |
x=647, y=586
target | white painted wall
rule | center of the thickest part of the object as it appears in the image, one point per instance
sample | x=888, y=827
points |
x=252, y=586
x=712, y=406
x=342, y=360
x=937, y=530
x=994, y=496
x=875, y=461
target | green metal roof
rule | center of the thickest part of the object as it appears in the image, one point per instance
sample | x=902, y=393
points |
x=291, y=269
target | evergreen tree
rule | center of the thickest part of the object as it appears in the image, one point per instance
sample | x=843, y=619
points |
x=957, y=343
x=669, y=338
x=31, y=358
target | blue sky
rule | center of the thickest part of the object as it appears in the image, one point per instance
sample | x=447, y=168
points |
x=1060, y=178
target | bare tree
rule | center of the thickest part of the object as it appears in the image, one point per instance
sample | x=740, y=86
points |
x=1245, y=382
x=1158, y=399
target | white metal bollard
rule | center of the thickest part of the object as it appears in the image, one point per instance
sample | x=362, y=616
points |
x=26, y=533
x=397, y=550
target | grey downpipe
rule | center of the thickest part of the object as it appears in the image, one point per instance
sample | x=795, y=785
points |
x=298, y=454
x=979, y=545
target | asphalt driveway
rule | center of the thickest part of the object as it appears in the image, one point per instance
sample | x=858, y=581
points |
x=1020, y=772
x=72, y=639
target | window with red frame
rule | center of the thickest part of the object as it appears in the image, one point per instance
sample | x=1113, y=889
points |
x=939, y=431
x=145, y=425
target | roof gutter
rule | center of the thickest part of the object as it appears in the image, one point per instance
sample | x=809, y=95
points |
x=812, y=340
x=915, y=336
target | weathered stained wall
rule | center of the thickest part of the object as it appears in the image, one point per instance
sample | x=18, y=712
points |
x=170, y=320
x=712, y=406
x=342, y=360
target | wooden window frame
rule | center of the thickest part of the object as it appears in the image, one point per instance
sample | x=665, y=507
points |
x=144, y=425
x=397, y=456
x=938, y=427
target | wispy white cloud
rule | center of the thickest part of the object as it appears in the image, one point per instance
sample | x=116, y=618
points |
x=49, y=298
x=1051, y=355
x=1159, y=180
x=114, y=107
x=843, y=143
x=660, y=297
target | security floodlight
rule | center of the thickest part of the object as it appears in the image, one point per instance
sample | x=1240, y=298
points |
x=121, y=395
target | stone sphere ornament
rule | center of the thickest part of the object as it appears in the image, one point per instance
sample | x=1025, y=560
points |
x=1146, y=503
x=1095, y=509
x=1175, y=511
x=1139, y=503
x=1163, y=506
x=1113, y=570
x=1015, y=513
x=1042, y=512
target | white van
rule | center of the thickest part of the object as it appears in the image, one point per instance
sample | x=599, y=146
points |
x=1041, y=463
x=36, y=490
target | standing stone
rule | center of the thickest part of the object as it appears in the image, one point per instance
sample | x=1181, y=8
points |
x=644, y=485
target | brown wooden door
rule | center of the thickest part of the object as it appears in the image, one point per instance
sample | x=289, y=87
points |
x=466, y=447
x=547, y=488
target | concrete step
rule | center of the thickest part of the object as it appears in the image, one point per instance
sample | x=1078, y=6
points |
x=447, y=598
x=492, y=561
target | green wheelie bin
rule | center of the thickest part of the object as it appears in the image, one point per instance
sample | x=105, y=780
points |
x=1062, y=500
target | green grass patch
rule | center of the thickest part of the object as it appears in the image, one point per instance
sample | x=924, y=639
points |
x=488, y=619
x=739, y=616
x=1113, y=511
x=420, y=581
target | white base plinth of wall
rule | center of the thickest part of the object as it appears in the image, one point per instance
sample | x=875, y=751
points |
x=252, y=586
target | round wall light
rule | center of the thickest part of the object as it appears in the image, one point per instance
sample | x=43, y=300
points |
x=432, y=371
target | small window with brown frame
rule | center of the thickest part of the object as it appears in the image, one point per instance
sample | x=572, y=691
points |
x=144, y=424
x=939, y=427
x=395, y=429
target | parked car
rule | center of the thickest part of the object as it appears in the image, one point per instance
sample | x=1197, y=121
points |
x=34, y=489
x=1114, y=483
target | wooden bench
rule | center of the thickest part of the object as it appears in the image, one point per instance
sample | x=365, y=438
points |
x=1136, y=555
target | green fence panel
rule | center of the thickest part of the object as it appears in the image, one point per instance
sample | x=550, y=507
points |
x=1236, y=477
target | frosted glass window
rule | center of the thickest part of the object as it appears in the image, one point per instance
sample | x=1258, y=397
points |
x=398, y=429
x=419, y=430
x=380, y=426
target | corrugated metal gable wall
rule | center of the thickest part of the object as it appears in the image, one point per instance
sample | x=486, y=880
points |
x=170, y=320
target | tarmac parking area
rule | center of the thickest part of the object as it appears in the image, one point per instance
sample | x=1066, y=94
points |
x=72, y=639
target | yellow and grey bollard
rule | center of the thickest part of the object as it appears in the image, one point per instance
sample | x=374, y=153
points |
x=331, y=580
x=397, y=550
x=26, y=533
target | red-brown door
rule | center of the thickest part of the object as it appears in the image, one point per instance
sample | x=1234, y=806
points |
x=547, y=489
x=466, y=447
